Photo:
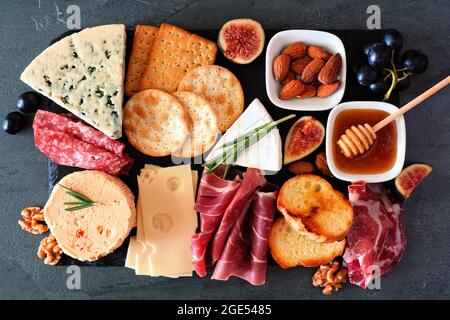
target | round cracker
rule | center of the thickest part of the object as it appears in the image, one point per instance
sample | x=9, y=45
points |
x=155, y=122
x=203, y=126
x=221, y=88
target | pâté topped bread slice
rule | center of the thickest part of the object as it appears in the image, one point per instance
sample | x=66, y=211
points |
x=84, y=73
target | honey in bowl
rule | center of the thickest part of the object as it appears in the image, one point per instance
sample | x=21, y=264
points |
x=381, y=155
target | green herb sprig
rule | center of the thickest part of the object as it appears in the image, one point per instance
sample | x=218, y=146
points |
x=231, y=150
x=83, y=202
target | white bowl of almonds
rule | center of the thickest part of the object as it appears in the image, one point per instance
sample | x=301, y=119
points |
x=305, y=70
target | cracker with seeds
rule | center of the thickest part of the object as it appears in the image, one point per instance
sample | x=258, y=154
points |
x=155, y=122
x=144, y=36
x=173, y=54
x=221, y=88
x=203, y=126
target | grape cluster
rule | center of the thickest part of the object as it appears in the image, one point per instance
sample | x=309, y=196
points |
x=380, y=75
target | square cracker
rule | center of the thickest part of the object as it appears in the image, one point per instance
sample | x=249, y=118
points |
x=144, y=36
x=174, y=53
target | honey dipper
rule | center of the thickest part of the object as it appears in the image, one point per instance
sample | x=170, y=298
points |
x=358, y=139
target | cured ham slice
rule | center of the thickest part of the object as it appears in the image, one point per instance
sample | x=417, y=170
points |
x=245, y=253
x=214, y=196
x=252, y=180
x=377, y=238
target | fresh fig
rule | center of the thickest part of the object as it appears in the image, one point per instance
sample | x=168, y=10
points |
x=305, y=136
x=411, y=177
x=241, y=40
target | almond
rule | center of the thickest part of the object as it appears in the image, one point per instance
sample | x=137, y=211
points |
x=322, y=164
x=325, y=90
x=281, y=67
x=299, y=65
x=308, y=92
x=311, y=71
x=331, y=70
x=290, y=76
x=300, y=167
x=296, y=50
x=291, y=89
x=317, y=52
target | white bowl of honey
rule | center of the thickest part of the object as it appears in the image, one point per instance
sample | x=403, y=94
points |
x=385, y=158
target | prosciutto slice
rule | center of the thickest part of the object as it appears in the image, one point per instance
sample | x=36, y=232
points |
x=245, y=253
x=214, y=196
x=377, y=238
x=252, y=180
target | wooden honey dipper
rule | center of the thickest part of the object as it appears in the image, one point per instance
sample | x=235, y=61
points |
x=358, y=139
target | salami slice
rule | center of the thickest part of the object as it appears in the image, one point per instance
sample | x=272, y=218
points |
x=70, y=125
x=68, y=150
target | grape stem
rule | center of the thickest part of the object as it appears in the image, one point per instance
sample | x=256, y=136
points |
x=395, y=78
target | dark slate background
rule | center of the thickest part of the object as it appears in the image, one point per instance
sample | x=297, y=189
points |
x=29, y=25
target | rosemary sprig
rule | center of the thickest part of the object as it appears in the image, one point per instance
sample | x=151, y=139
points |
x=231, y=150
x=83, y=202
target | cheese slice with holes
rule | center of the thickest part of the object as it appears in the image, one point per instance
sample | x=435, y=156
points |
x=156, y=251
x=265, y=154
x=84, y=73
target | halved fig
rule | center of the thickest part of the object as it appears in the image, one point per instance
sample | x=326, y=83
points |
x=305, y=136
x=411, y=177
x=241, y=40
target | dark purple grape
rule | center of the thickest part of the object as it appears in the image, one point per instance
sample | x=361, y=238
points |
x=29, y=102
x=366, y=49
x=379, y=86
x=379, y=56
x=415, y=61
x=12, y=123
x=366, y=75
x=403, y=84
x=393, y=39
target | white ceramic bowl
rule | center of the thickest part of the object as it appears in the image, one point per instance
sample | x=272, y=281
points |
x=329, y=42
x=401, y=142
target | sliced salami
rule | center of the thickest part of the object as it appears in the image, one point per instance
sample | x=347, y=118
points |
x=68, y=150
x=76, y=128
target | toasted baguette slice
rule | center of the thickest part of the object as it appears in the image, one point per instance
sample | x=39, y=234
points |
x=290, y=248
x=312, y=207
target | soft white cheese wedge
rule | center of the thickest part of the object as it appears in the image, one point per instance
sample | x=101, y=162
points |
x=265, y=154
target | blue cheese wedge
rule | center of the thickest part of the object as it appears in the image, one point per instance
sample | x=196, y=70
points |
x=265, y=154
x=84, y=73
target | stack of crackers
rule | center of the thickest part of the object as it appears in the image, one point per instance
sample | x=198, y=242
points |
x=179, y=100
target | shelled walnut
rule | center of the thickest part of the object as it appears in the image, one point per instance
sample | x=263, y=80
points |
x=49, y=250
x=33, y=220
x=330, y=277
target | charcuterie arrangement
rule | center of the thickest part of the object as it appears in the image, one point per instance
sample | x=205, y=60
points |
x=172, y=162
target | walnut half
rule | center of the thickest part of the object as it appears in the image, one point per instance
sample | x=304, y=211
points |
x=330, y=277
x=33, y=220
x=49, y=250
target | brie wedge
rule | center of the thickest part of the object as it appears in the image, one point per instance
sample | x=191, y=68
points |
x=264, y=154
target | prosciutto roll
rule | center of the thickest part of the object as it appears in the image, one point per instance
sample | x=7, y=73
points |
x=252, y=180
x=214, y=196
x=245, y=252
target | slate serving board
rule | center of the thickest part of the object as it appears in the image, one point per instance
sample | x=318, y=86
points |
x=252, y=78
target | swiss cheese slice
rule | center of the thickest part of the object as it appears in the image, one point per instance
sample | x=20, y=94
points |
x=265, y=154
x=148, y=250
